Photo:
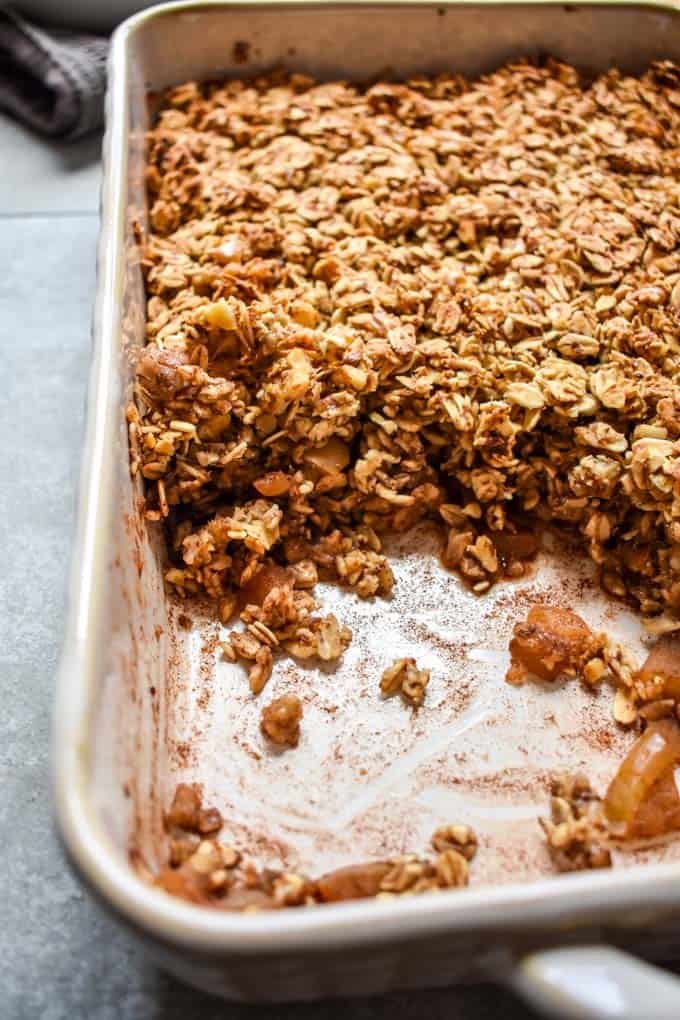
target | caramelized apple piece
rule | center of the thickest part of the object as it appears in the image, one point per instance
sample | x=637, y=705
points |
x=353, y=882
x=659, y=812
x=330, y=458
x=652, y=754
x=520, y=545
x=258, y=587
x=663, y=665
x=185, y=883
x=273, y=484
x=551, y=642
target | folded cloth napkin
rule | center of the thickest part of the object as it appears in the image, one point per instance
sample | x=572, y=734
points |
x=52, y=79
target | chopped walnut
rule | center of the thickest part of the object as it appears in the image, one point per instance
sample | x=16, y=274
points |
x=331, y=638
x=280, y=721
x=451, y=868
x=575, y=833
x=410, y=874
x=187, y=821
x=403, y=677
x=324, y=637
x=456, y=837
x=304, y=574
x=407, y=874
x=185, y=810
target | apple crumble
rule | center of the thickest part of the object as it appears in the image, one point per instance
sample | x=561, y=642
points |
x=370, y=304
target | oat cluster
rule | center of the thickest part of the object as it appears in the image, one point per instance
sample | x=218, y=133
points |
x=437, y=298
x=576, y=835
x=280, y=720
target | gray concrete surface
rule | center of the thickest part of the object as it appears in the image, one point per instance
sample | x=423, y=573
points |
x=60, y=958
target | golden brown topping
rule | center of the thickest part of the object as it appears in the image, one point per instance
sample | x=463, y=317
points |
x=330, y=458
x=187, y=814
x=206, y=871
x=304, y=574
x=624, y=710
x=331, y=638
x=226, y=607
x=280, y=720
x=403, y=677
x=245, y=645
x=403, y=329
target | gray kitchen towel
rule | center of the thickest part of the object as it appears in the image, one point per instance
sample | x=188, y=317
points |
x=52, y=79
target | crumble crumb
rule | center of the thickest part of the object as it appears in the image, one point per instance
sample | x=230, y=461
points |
x=403, y=677
x=574, y=832
x=280, y=720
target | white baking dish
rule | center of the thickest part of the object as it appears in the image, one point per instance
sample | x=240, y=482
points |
x=132, y=716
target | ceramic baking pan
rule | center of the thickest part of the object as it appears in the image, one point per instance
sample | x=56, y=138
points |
x=144, y=703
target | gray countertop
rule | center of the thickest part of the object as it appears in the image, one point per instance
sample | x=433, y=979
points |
x=60, y=957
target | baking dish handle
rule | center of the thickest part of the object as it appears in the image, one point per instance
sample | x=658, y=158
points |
x=596, y=983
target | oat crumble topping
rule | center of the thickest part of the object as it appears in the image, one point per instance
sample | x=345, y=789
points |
x=445, y=298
